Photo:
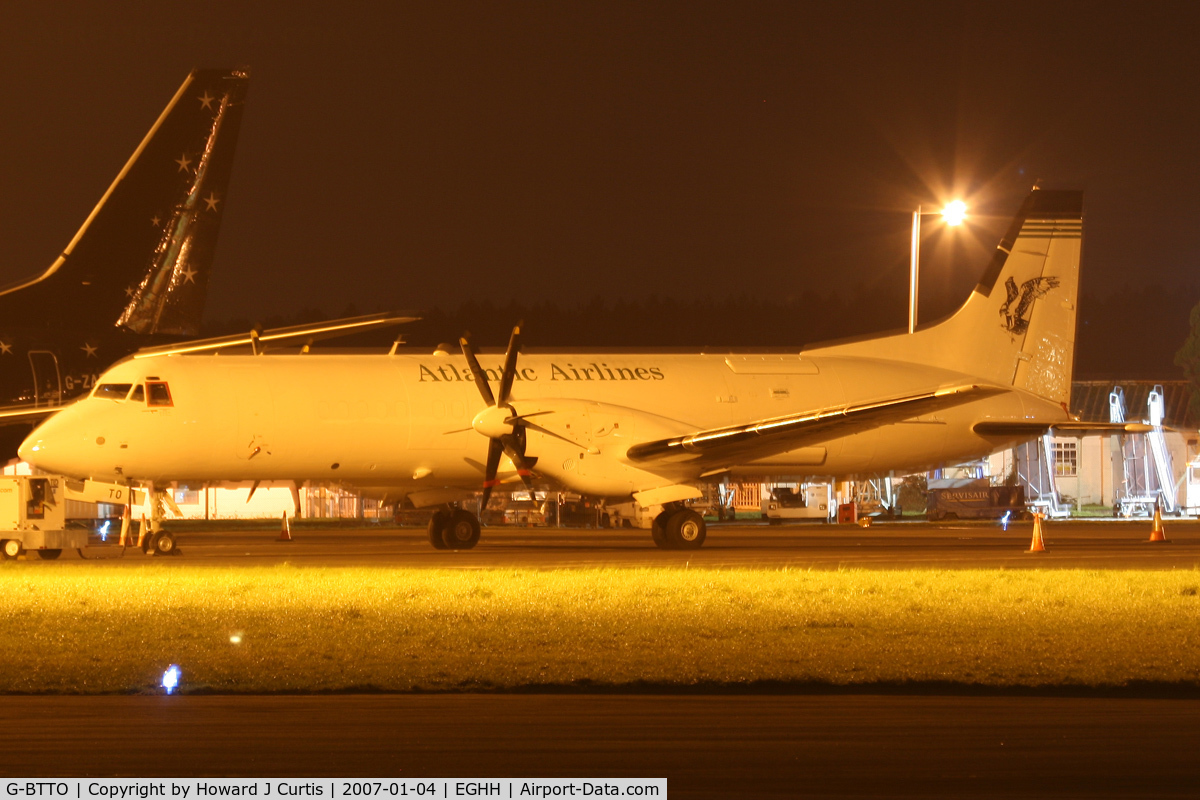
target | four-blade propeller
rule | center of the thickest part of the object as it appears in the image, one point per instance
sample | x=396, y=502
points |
x=499, y=422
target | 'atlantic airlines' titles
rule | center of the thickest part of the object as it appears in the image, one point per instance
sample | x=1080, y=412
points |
x=567, y=372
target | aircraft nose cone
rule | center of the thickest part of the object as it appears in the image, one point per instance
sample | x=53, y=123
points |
x=49, y=447
x=33, y=449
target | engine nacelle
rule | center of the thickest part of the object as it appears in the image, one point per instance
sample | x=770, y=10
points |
x=582, y=445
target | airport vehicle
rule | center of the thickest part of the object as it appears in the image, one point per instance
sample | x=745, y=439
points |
x=974, y=499
x=524, y=509
x=135, y=274
x=33, y=514
x=437, y=428
x=797, y=501
x=579, y=512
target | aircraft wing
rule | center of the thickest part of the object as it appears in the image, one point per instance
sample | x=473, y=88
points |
x=27, y=415
x=718, y=447
x=295, y=334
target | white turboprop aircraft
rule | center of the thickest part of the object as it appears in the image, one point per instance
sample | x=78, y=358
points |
x=431, y=427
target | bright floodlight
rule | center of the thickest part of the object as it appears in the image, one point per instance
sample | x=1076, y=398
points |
x=170, y=679
x=954, y=213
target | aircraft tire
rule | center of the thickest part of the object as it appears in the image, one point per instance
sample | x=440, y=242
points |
x=49, y=555
x=658, y=531
x=163, y=544
x=437, y=524
x=685, y=530
x=10, y=549
x=462, y=532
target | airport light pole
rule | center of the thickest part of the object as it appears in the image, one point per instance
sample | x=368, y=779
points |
x=954, y=214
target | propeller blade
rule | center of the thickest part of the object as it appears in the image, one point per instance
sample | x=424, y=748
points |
x=510, y=364
x=495, y=448
x=533, y=427
x=523, y=468
x=478, y=373
x=518, y=419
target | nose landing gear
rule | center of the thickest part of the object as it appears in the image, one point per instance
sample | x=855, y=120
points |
x=159, y=544
x=156, y=541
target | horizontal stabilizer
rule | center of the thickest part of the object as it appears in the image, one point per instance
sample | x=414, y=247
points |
x=1031, y=429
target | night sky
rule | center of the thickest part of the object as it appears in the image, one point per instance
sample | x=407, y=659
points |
x=429, y=154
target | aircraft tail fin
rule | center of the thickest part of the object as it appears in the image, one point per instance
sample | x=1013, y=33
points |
x=1018, y=326
x=142, y=258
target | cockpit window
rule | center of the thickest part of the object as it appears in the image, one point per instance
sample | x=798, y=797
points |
x=113, y=391
x=139, y=394
x=158, y=393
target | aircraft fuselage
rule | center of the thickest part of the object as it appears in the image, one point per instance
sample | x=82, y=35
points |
x=405, y=420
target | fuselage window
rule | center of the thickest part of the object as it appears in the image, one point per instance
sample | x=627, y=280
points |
x=113, y=391
x=139, y=394
x=158, y=394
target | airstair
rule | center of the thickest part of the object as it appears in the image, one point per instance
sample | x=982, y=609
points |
x=1037, y=472
x=875, y=495
x=1142, y=467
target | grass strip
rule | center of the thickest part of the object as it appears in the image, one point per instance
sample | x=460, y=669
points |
x=94, y=629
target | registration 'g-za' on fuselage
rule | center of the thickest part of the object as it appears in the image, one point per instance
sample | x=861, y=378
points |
x=608, y=424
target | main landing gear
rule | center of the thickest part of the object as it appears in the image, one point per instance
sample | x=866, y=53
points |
x=678, y=528
x=453, y=529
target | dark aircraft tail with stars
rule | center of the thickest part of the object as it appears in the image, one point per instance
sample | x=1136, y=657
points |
x=136, y=273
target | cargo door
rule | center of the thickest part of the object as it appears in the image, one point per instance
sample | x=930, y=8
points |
x=441, y=416
x=254, y=410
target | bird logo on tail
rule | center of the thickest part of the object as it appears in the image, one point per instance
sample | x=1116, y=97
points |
x=1016, y=319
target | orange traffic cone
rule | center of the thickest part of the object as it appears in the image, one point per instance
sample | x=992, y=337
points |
x=285, y=529
x=1158, y=533
x=1038, y=545
x=142, y=532
x=125, y=522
